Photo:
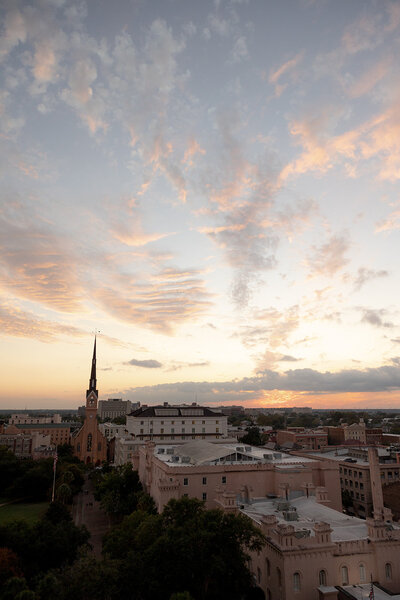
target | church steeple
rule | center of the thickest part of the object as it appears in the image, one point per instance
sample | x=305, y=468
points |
x=93, y=380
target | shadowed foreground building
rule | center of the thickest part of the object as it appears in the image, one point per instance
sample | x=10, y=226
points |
x=89, y=443
x=315, y=553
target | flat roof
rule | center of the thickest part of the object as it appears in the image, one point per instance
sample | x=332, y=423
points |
x=309, y=511
x=201, y=452
x=362, y=590
x=341, y=454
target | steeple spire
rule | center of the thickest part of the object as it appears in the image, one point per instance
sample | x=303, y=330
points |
x=93, y=380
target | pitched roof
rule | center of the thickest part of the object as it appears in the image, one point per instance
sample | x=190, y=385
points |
x=175, y=411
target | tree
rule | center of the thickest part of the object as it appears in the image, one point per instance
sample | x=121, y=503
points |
x=253, y=437
x=185, y=549
x=119, y=491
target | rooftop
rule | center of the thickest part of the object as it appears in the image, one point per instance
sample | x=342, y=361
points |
x=193, y=410
x=207, y=453
x=344, y=527
x=341, y=454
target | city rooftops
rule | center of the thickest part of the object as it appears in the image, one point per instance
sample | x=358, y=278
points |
x=347, y=455
x=308, y=512
x=201, y=452
x=193, y=410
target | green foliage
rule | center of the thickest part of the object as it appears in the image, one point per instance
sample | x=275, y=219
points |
x=50, y=543
x=253, y=437
x=276, y=421
x=120, y=491
x=185, y=549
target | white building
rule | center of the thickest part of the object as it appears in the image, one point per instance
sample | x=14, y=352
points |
x=111, y=430
x=180, y=423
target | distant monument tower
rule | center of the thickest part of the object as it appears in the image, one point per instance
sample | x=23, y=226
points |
x=89, y=443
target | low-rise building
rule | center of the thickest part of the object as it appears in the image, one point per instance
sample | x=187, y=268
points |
x=27, y=419
x=24, y=445
x=196, y=469
x=354, y=471
x=174, y=423
x=311, y=439
x=360, y=433
x=60, y=433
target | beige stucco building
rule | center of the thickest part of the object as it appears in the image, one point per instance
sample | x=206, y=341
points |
x=199, y=468
x=314, y=552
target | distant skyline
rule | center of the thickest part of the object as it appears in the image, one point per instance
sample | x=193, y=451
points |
x=214, y=186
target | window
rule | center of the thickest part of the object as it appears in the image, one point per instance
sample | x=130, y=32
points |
x=217, y=429
x=259, y=575
x=268, y=565
x=183, y=422
x=223, y=479
x=185, y=495
x=296, y=582
x=162, y=429
x=89, y=443
x=162, y=422
x=183, y=430
x=360, y=474
x=217, y=422
x=362, y=574
x=388, y=571
x=185, y=481
x=345, y=471
x=279, y=575
x=99, y=446
x=204, y=496
x=203, y=422
x=172, y=430
x=361, y=486
x=172, y=422
x=193, y=422
x=322, y=577
x=203, y=430
x=141, y=422
x=204, y=480
x=345, y=575
x=141, y=431
x=193, y=430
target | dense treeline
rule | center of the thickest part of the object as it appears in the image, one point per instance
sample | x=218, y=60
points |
x=32, y=480
x=185, y=552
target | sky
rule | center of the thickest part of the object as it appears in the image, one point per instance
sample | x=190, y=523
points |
x=213, y=187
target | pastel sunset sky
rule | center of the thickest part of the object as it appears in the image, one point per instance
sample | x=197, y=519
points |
x=214, y=186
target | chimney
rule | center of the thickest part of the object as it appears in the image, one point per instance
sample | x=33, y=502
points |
x=380, y=512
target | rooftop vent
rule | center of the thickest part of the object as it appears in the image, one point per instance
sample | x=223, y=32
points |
x=160, y=450
x=278, y=455
x=175, y=458
x=268, y=457
x=239, y=449
x=290, y=514
x=248, y=448
x=186, y=459
x=170, y=450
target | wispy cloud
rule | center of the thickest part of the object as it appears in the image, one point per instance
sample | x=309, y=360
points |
x=146, y=364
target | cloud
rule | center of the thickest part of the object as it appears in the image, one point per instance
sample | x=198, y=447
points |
x=147, y=364
x=365, y=275
x=240, y=51
x=286, y=68
x=34, y=262
x=328, y=259
x=253, y=389
x=375, y=317
x=17, y=322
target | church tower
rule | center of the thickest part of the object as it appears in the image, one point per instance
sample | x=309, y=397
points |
x=89, y=443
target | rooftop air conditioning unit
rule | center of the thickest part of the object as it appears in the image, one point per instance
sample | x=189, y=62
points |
x=175, y=458
x=239, y=449
x=186, y=459
x=268, y=457
x=277, y=454
x=170, y=450
x=248, y=448
x=160, y=450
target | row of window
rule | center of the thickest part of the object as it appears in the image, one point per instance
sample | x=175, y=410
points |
x=186, y=480
x=344, y=571
x=173, y=422
x=180, y=437
x=322, y=575
x=346, y=482
x=350, y=471
x=203, y=430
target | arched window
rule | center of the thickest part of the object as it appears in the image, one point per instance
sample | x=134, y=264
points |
x=268, y=567
x=89, y=443
x=78, y=447
x=322, y=577
x=269, y=597
x=279, y=574
x=363, y=576
x=296, y=582
x=258, y=575
x=388, y=571
x=345, y=575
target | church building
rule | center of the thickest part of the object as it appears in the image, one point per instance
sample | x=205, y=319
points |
x=89, y=443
